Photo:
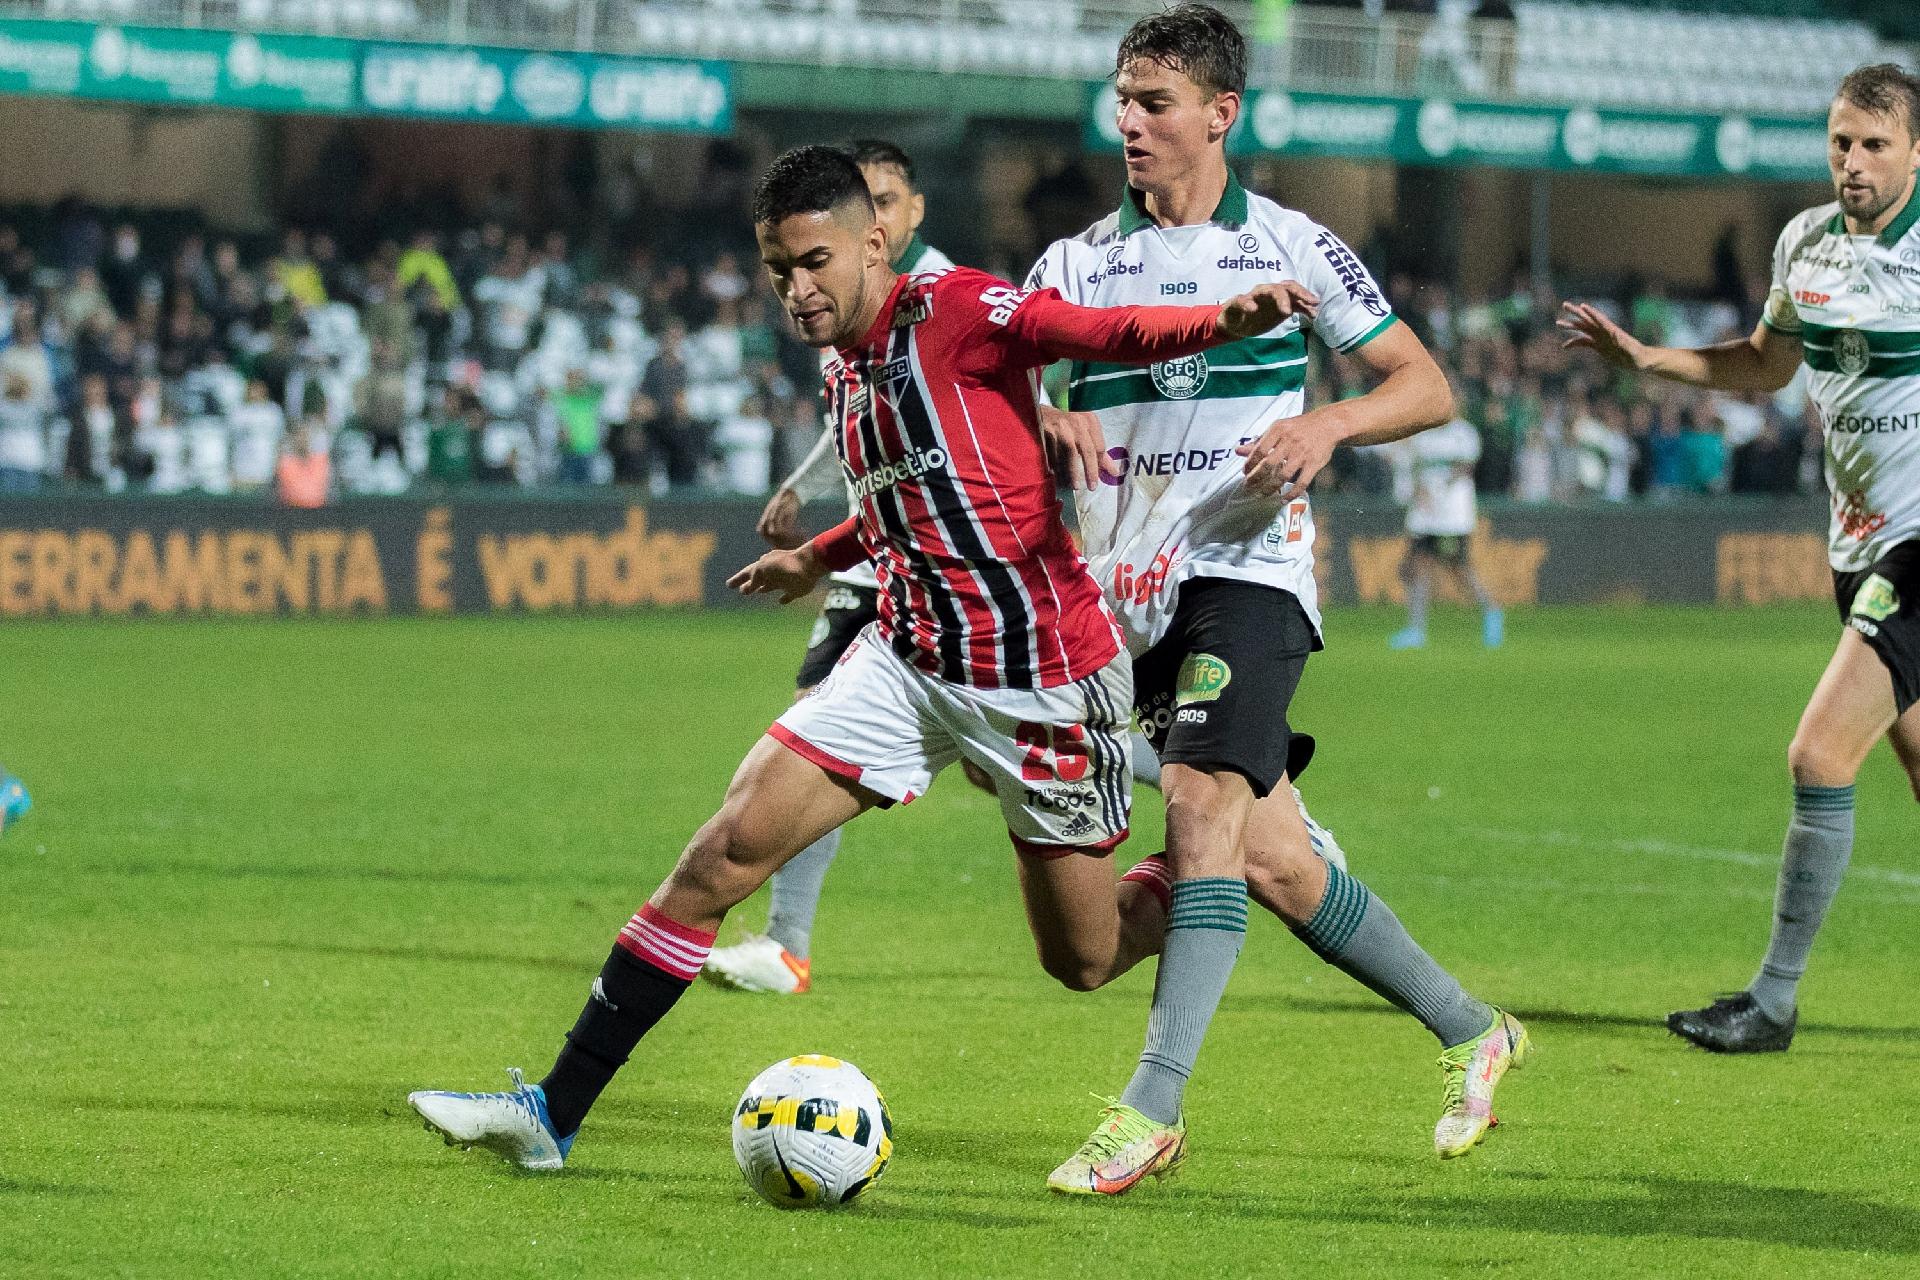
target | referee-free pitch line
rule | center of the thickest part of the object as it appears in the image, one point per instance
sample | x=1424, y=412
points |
x=1653, y=847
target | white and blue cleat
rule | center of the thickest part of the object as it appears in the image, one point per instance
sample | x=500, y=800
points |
x=513, y=1125
x=14, y=800
x=1408, y=638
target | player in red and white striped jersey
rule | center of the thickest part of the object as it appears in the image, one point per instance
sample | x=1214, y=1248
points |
x=994, y=644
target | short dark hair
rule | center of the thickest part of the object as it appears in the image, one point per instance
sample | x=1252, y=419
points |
x=812, y=179
x=1197, y=40
x=867, y=151
x=1884, y=89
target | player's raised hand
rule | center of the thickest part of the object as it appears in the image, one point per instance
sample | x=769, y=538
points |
x=1077, y=447
x=1582, y=325
x=780, y=521
x=1263, y=307
x=789, y=573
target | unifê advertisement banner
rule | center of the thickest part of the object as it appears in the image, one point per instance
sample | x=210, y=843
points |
x=1440, y=131
x=193, y=67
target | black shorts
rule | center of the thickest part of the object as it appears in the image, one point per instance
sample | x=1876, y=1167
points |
x=1214, y=692
x=844, y=616
x=1882, y=603
x=1447, y=548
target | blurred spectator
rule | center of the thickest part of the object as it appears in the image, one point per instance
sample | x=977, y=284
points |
x=23, y=437
x=672, y=434
x=745, y=442
x=258, y=424
x=1703, y=454
x=422, y=264
x=1768, y=463
x=304, y=473
x=452, y=438
x=577, y=406
x=97, y=436
x=26, y=358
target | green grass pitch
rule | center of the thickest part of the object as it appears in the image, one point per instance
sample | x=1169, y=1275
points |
x=278, y=874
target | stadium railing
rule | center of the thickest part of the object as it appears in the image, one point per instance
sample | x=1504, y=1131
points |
x=1561, y=52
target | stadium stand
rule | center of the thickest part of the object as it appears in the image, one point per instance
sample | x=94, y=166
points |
x=492, y=356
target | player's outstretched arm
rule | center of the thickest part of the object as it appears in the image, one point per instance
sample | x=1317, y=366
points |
x=1411, y=395
x=813, y=478
x=1764, y=361
x=1052, y=328
x=792, y=574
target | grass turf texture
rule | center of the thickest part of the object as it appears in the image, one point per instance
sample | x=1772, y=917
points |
x=278, y=874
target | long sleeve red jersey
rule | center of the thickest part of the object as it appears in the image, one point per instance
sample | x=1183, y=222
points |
x=936, y=428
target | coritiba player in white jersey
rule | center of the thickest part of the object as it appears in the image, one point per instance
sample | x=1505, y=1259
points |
x=1441, y=514
x=1845, y=299
x=1202, y=537
x=781, y=960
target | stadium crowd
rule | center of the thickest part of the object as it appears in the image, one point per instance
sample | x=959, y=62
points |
x=496, y=357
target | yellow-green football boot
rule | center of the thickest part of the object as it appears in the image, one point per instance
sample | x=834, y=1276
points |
x=1471, y=1070
x=1126, y=1147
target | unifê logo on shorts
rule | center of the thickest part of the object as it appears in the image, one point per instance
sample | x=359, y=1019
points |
x=912, y=467
x=1202, y=678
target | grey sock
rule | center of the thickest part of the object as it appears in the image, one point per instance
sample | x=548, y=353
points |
x=1819, y=843
x=1419, y=594
x=1359, y=935
x=796, y=894
x=1205, y=927
x=1146, y=764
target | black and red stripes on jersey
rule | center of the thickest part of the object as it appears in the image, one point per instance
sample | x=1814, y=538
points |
x=936, y=427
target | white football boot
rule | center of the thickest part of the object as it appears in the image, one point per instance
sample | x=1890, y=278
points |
x=513, y=1124
x=1323, y=842
x=758, y=964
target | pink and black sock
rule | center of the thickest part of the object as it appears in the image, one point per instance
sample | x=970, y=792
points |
x=654, y=960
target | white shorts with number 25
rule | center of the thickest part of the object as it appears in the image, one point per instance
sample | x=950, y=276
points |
x=1058, y=758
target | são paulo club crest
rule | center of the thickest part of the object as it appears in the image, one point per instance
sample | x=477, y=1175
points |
x=1180, y=379
x=1850, y=352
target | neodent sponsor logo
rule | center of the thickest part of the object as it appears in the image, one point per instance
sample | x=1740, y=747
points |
x=911, y=467
x=1857, y=424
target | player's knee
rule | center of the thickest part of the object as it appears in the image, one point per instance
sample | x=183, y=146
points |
x=1281, y=879
x=1074, y=971
x=1200, y=823
x=1816, y=762
x=726, y=860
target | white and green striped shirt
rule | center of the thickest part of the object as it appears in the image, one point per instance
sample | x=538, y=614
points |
x=1854, y=302
x=1183, y=510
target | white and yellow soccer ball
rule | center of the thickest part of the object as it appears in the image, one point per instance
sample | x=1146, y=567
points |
x=812, y=1132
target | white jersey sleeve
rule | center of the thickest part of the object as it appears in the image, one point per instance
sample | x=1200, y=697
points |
x=1352, y=310
x=819, y=474
x=1052, y=272
x=1780, y=312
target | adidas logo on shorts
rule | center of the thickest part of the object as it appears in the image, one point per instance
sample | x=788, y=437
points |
x=1080, y=826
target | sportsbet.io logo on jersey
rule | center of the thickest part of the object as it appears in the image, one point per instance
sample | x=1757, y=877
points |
x=1180, y=379
x=887, y=475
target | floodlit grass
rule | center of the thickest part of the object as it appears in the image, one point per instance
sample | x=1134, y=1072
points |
x=278, y=874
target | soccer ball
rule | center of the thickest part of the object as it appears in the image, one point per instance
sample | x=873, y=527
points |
x=812, y=1132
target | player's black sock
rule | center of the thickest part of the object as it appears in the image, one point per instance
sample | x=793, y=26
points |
x=651, y=965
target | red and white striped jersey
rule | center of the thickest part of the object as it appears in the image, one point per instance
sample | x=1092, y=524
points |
x=935, y=424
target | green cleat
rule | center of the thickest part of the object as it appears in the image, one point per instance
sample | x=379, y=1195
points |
x=1471, y=1071
x=1125, y=1147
